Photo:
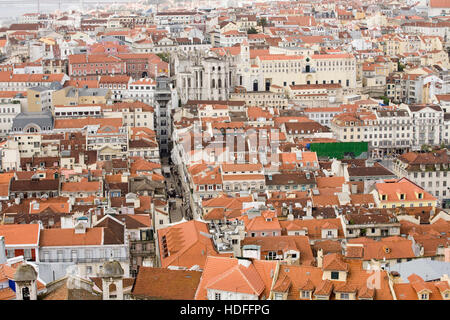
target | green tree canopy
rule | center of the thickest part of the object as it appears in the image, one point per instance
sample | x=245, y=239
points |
x=252, y=30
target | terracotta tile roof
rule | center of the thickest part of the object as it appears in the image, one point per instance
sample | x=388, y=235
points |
x=327, y=246
x=246, y=177
x=282, y=244
x=61, y=291
x=238, y=278
x=21, y=234
x=439, y=4
x=241, y=167
x=141, y=164
x=313, y=226
x=68, y=237
x=187, y=244
x=260, y=224
x=345, y=287
x=326, y=199
x=334, y=262
x=415, y=287
x=7, y=294
x=354, y=252
x=324, y=288
x=402, y=186
x=82, y=122
x=228, y=274
x=282, y=285
x=308, y=277
x=389, y=248
x=159, y=283
x=81, y=186
x=215, y=214
x=330, y=182
x=59, y=206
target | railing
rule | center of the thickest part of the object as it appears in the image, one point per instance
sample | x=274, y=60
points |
x=83, y=260
x=142, y=252
x=311, y=70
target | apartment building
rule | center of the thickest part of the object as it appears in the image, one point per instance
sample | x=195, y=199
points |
x=401, y=193
x=117, y=84
x=430, y=170
x=10, y=107
x=142, y=90
x=285, y=70
x=388, y=132
x=81, y=249
x=426, y=123
x=91, y=67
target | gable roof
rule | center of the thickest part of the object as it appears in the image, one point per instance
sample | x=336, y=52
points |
x=234, y=275
x=185, y=244
x=20, y=234
x=160, y=283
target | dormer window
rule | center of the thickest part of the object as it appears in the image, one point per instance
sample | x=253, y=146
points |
x=424, y=296
x=383, y=197
x=420, y=195
x=402, y=196
x=305, y=294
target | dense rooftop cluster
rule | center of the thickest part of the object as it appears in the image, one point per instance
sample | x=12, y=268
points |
x=259, y=150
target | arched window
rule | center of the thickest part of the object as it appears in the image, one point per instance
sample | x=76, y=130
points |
x=255, y=85
x=26, y=293
x=112, y=291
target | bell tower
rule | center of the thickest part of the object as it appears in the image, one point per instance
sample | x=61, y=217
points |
x=112, y=281
x=26, y=282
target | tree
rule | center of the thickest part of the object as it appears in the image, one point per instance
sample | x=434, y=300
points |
x=262, y=22
x=425, y=147
x=400, y=66
x=164, y=56
x=252, y=30
x=385, y=100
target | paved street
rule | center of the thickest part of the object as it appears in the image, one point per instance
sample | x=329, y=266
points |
x=175, y=191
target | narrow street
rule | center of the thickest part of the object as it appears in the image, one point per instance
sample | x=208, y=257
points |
x=175, y=192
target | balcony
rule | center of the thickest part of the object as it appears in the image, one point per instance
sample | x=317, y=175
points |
x=310, y=70
x=81, y=260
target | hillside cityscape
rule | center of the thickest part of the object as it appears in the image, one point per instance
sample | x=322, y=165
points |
x=224, y=150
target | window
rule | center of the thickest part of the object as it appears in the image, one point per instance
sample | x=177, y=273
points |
x=345, y=296
x=278, y=296
x=305, y=294
x=217, y=296
x=27, y=254
x=334, y=275
x=271, y=255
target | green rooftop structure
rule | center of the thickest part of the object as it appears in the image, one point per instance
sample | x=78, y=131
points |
x=340, y=150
